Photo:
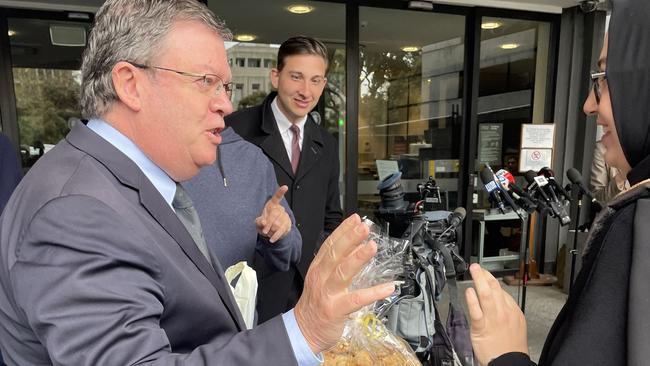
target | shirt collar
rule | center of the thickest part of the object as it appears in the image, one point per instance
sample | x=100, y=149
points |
x=283, y=122
x=160, y=180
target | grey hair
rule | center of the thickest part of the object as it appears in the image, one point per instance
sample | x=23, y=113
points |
x=131, y=30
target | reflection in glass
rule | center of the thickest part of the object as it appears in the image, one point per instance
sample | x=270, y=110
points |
x=410, y=101
x=514, y=59
x=46, y=75
x=512, y=88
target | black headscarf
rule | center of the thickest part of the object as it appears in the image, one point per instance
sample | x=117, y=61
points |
x=628, y=78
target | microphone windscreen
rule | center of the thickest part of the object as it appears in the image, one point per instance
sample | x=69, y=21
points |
x=530, y=176
x=486, y=176
x=574, y=176
x=461, y=212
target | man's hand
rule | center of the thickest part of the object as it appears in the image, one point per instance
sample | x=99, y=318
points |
x=326, y=302
x=274, y=222
x=497, y=325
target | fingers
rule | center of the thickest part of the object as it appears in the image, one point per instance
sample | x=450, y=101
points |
x=357, y=299
x=280, y=229
x=350, y=266
x=274, y=222
x=475, y=312
x=484, y=290
x=275, y=227
x=341, y=243
x=277, y=196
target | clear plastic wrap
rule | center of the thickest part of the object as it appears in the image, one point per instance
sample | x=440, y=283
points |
x=366, y=341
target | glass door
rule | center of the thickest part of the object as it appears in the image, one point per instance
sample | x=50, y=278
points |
x=46, y=57
x=410, y=103
x=512, y=91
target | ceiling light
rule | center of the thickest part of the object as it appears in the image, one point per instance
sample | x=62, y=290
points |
x=245, y=37
x=300, y=9
x=509, y=46
x=11, y=32
x=410, y=48
x=491, y=25
x=422, y=5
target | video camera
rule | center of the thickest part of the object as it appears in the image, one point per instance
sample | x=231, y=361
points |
x=430, y=230
x=430, y=262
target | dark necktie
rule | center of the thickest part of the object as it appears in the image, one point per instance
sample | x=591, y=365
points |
x=187, y=214
x=295, y=148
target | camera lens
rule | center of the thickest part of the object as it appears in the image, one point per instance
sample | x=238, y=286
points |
x=391, y=192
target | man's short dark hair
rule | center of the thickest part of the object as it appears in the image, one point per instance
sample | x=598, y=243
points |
x=301, y=45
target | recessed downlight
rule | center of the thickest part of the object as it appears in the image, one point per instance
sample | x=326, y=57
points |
x=491, y=25
x=11, y=32
x=509, y=46
x=300, y=8
x=410, y=48
x=245, y=37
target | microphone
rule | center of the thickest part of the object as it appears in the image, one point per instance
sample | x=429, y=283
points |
x=574, y=176
x=537, y=183
x=492, y=189
x=548, y=173
x=457, y=217
x=522, y=198
x=534, y=184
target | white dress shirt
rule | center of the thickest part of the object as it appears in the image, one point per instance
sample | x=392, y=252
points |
x=284, y=126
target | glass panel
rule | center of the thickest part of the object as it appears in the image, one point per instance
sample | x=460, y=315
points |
x=410, y=101
x=326, y=22
x=46, y=57
x=514, y=58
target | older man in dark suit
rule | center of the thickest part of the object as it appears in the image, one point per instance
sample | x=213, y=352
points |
x=102, y=258
x=305, y=157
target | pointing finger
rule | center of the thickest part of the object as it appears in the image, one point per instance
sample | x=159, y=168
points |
x=277, y=196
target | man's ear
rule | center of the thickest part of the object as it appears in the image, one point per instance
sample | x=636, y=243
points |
x=275, y=75
x=127, y=81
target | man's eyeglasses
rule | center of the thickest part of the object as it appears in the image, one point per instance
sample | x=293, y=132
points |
x=596, y=76
x=209, y=82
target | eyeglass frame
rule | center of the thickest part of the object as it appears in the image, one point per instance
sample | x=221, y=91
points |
x=595, y=76
x=227, y=87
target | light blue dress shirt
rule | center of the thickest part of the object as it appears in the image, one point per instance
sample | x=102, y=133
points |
x=167, y=188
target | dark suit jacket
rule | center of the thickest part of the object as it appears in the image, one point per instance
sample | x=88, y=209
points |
x=313, y=191
x=10, y=173
x=96, y=269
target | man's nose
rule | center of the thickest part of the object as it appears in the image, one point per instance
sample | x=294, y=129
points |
x=221, y=104
x=591, y=106
x=305, y=88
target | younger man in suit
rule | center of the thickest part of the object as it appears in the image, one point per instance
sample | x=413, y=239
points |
x=304, y=156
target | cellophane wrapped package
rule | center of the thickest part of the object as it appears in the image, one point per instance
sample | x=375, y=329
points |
x=366, y=341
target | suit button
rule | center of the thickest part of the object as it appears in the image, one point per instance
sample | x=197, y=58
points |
x=297, y=186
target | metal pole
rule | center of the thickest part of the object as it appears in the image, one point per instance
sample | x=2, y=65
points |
x=574, y=251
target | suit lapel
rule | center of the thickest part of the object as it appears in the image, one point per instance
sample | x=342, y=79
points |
x=272, y=144
x=165, y=216
x=312, y=149
x=130, y=175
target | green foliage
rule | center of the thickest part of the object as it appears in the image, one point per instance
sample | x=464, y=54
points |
x=45, y=100
x=252, y=99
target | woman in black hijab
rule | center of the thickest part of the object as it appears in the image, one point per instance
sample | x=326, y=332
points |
x=606, y=320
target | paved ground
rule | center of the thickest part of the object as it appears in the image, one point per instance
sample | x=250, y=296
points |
x=543, y=303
